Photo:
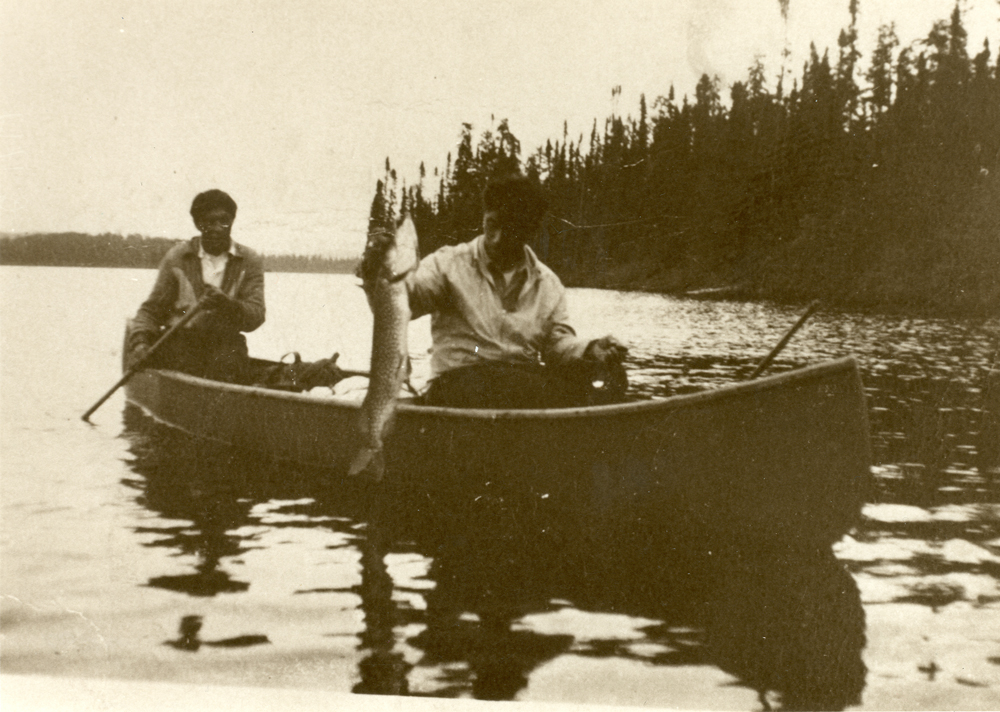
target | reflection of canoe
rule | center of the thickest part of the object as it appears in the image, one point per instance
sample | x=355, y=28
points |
x=783, y=455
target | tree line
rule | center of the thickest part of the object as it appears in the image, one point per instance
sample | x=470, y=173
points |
x=860, y=185
x=73, y=249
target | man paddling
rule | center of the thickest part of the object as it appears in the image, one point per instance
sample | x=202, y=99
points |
x=499, y=319
x=226, y=277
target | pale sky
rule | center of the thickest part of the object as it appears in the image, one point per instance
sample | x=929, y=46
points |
x=115, y=113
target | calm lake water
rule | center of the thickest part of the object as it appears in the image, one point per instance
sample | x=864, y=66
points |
x=130, y=552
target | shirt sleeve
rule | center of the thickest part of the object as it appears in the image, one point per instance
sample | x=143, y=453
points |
x=250, y=296
x=155, y=311
x=427, y=285
x=562, y=345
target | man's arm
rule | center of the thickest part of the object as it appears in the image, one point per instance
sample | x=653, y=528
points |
x=562, y=345
x=154, y=312
x=427, y=285
x=249, y=297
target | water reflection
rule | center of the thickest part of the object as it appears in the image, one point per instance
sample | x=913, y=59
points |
x=190, y=641
x=927, y=433
x=383, y=670
x=787, y=623
x=468, y=595
x=794, y=626
x=491, y=567
x=191, y=485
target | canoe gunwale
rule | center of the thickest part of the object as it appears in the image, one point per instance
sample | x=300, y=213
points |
x=643, y=407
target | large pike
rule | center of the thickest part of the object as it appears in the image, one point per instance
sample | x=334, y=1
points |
x=387, y=261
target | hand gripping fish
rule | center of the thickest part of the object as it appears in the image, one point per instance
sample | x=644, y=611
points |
x=387, y=261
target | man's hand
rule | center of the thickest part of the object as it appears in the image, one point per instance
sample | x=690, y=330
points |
x=138, y=352
x=606, y=350
x=215, y=300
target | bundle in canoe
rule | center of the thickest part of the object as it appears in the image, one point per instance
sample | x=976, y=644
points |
x=787, y=455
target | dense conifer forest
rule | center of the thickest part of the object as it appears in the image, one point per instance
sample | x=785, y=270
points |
x=870, y=186
x=72, y=249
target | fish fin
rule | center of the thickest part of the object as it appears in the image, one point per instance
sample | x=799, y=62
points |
x=368, y=460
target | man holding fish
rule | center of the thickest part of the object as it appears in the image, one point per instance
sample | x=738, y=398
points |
x=499, y=322
x=499, y=319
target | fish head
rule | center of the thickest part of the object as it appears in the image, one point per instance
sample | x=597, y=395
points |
x=402, y=257
x=390, y=255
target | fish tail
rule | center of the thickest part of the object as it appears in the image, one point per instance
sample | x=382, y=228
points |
x=369, y=460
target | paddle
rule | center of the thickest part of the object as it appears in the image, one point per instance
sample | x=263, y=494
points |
x=784, y=341
x=138, y=365
x=141, y=363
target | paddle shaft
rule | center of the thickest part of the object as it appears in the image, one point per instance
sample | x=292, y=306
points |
x=140, y=364
x=784, y=341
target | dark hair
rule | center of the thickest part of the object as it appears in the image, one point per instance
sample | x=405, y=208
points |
x=517, y=199
x=210, y=200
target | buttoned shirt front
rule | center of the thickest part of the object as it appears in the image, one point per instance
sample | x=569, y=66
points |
x=478, y=315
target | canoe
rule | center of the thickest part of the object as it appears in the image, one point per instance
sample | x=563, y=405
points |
x=782, y=456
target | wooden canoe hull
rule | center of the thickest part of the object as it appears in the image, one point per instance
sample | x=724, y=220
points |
x=783, y=456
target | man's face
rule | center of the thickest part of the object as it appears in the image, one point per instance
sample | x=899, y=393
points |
x=215, y=226
x=505, y=239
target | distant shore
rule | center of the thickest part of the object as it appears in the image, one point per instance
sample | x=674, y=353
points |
x=72, y=249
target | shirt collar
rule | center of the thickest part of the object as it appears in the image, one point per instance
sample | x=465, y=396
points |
x=231, y=251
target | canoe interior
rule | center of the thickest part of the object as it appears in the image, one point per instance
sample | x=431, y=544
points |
x=784, y=456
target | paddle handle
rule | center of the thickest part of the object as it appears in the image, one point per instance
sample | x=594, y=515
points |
x=784, y=340
x=140, y=364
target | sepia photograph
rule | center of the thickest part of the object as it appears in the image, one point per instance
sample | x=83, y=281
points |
x=566, y=355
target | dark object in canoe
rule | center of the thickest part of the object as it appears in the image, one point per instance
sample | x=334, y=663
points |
x=786, y=455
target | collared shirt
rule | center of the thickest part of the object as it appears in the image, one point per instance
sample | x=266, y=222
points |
x=478, y=316
x=179, y=285
x=213, y=267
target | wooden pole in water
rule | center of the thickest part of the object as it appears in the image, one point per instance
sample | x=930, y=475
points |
x=784, y=341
